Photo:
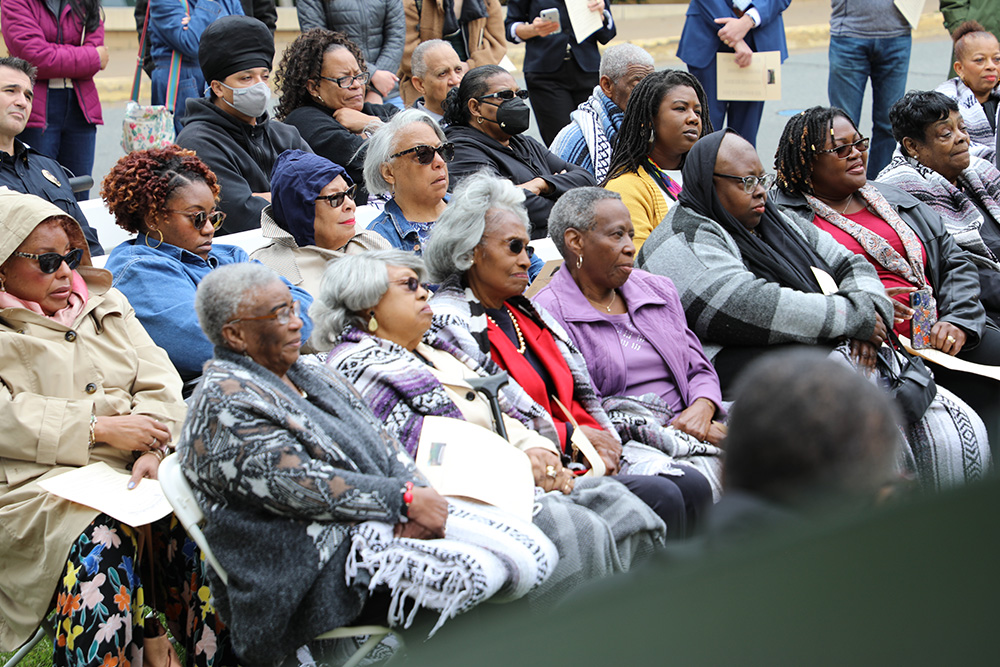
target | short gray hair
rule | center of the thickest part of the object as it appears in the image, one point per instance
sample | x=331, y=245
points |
x=615, y=60
x=382, y=144
x=417, y=65
x=354, y=284
x=460, y=228
x=221, y=293
x=575, y=210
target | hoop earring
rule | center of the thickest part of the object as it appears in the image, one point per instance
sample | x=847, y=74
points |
x=372, y=323
x=154, y=247
x=579, y=261
x=479, y=120
x=3, y=288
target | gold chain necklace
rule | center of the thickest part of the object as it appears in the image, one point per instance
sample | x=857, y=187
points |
x=520, y=337
x=614, y=295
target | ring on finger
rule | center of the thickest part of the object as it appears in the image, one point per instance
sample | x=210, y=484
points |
x=951, y=339
x=550, y=471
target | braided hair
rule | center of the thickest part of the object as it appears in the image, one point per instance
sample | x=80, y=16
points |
x=634, y=140
x=803, y=137
x=138, y=187
x=302, y=61
x=474, y=84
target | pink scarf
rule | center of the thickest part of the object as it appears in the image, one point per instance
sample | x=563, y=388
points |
x=65, y=316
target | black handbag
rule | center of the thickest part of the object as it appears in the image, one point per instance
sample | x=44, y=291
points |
x=913, y=385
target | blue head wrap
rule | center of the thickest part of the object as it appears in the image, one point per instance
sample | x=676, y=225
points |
x=296, y=181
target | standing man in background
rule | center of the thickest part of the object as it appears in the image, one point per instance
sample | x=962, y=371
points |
x=869, y=39
x=742, y=27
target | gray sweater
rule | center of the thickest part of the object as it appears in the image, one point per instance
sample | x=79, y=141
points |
x=866, y=19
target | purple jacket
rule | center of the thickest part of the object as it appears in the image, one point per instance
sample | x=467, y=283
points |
x=656, y=311
x=30, y=32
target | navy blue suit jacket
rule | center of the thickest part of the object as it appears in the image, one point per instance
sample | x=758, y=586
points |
x=700, y=40
x=546, y=54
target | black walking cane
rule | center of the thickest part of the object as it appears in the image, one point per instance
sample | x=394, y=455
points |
x=490, y=388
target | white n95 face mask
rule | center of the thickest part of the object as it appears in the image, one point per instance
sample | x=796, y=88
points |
x=252, y=100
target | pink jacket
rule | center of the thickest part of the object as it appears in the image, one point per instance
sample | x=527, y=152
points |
x=30, y=32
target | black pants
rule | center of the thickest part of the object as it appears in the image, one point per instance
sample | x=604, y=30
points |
x=679, y=501
x=555, y=94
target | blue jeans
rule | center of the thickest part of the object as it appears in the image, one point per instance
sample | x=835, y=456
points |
x=884, y=60
x=67, y=137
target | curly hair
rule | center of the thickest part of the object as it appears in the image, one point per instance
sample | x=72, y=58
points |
x=474, y=85
x=803, y=137
x=634, y=138
x=138, y=186
x=302, y=61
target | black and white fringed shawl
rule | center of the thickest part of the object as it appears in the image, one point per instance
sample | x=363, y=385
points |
x=979, y=184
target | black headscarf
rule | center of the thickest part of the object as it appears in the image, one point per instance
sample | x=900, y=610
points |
x=775, y=253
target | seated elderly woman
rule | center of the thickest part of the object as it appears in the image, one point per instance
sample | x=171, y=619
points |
x=374, y=311
x=82, y=383
x=317, y=515
x=478, y=253
x=169, y=198
x=935, y=165
x=487, y=116
x=744, y=272
x=310, y=219
x=322, y=79
x=974, y=88
x=629, y=324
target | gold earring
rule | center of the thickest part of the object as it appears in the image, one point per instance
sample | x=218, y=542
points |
x=3, y=288
x=154, y=247
x=372, y=323
x=579, y=261
x=479, y=120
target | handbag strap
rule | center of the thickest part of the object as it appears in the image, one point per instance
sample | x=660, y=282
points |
x=174, y=75
x=137, y=79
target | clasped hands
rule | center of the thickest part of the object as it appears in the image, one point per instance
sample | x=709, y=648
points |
x=733, y=34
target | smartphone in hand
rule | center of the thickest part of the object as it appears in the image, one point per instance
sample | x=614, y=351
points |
x=552, y=14
x=924, y=318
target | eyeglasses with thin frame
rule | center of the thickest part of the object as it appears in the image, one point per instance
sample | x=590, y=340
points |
x=198, y=218
x=507, y=95
x=411, y=283
x=49, y=262
x=424, y=154
x=283, y=314
x=844, y=150
x=337, y=198
x=348, y=81
x=750, y=183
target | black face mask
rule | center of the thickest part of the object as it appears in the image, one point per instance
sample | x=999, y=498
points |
x=513, y=116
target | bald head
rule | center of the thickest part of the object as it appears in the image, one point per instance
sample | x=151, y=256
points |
x=738, y=158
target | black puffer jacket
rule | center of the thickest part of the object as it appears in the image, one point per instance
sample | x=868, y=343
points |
x=378, y=27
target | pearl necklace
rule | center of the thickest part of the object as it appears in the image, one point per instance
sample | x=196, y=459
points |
x=521, y=347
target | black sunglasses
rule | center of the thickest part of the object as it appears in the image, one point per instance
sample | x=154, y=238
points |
x=337, y=198
x=50, y=262
x=517, y=245
x=410, y=283
x=424, y=154
x=506, y=95
x=198, y=218
x=844, y=151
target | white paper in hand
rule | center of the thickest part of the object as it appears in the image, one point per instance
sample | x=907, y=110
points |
x=99, y=486
x=584, y=22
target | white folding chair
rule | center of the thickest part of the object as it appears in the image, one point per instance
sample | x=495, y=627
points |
x=181, y=497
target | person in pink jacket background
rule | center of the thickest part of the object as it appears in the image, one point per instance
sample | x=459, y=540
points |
x=64, y=39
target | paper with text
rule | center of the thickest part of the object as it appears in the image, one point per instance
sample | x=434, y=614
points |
x=760, y=80
x=99, y=486
x=585, y=22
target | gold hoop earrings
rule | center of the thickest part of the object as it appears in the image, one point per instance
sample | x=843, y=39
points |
x=479, y=120
x=579, y=261
x=159, y=243
x=372, y=323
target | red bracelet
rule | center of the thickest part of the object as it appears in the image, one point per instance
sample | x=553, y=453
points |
x=408, y=493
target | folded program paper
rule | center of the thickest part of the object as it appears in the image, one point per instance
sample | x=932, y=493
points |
x=99, y=486
x=760, y=80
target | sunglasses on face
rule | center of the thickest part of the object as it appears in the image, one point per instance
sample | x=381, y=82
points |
x=411, y=283
x=50, y=262
x=506, y=95
x=198, y=218
x=844, y=151
x=424, y=154
x=750, y=183
x=337, y=198
x=283, y=314
x=516, y=246
x=348, y=81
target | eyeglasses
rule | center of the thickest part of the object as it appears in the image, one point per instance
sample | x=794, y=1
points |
x=348, y=81
x=844, y=151
x=337, y=198
x=411, y=283
x=283, y=314
x=198, y=218
x=750, y=183
x=50, y=262
x=517, y=245
x=424, y=154
x=506, y=95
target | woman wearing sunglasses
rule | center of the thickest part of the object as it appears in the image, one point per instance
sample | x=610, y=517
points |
x=486, y=116
x=168, y=198
x=322, y=79
x=310, y=220
x=82, y=383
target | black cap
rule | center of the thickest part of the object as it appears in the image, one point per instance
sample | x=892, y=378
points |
x=232, y=44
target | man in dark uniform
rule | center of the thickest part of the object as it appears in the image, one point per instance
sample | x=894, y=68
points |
x=22, y=168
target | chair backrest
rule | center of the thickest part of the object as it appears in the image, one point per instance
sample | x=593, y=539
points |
x=181, y=497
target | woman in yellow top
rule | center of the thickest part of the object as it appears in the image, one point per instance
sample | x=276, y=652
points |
x=666, y=114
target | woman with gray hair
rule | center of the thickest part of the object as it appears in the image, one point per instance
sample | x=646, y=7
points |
x=373, y=311
x=479, y=254
x=315, y=512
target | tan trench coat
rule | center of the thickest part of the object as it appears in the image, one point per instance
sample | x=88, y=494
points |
x=487, y=45
x=52, y=378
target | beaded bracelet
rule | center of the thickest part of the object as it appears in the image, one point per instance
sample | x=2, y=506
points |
x=407, y=498
x=93, y=423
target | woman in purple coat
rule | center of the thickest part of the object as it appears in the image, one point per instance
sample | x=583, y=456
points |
x=628, y=324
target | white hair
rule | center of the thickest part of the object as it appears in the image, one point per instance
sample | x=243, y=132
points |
x=575, y=210
x=221, y=293
x=418, y=66
x=615, y=60
x=382, y=144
